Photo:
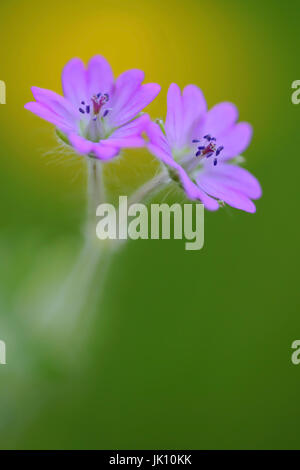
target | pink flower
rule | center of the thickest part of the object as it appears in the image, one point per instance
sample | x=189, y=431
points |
x=97, y=116
x=198, y=147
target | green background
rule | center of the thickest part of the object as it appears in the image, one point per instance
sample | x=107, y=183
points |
x=184, y=349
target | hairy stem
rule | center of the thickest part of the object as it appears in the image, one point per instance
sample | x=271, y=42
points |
x=95, y=195
x=150, y=187
x=71, y=312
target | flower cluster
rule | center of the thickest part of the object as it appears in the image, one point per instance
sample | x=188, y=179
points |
x=98, y=116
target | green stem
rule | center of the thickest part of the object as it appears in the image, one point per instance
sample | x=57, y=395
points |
x=73, y=298
x=150, y=187
x=71, y=311
x=95, y=195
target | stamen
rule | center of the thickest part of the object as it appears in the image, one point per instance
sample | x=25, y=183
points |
x=94, y=110
x=208, y=149
x=98, y=101
x=219, y=150
x=199, y=152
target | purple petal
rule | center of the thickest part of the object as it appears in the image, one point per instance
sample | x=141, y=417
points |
x=45, y=113
x=86, y=147
x=219, y=190
x=159, y=141
x=129, y=135
x=237, y=178
x=219, y=119
x=195, y=193
x=159, y=147
x=174, y=119
x=126, y=142
x=194, y=109
x=57, y=104
x=99, y=76
x=74, y=82
x=105, y=152
x=236, y=140
x=80, y=144
x=137, y=102
x=126, y=85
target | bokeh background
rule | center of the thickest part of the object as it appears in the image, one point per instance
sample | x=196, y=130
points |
x=184, y=349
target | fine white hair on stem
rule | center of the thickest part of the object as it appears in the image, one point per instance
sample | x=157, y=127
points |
x=61, y=154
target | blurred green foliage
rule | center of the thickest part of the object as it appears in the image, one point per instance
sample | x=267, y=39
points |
x=184, y=349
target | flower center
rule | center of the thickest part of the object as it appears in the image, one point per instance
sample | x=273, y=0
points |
x=208, y=148
x=94, y=128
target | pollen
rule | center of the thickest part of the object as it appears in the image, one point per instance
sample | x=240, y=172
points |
x=208, y=148
x=97, y=103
